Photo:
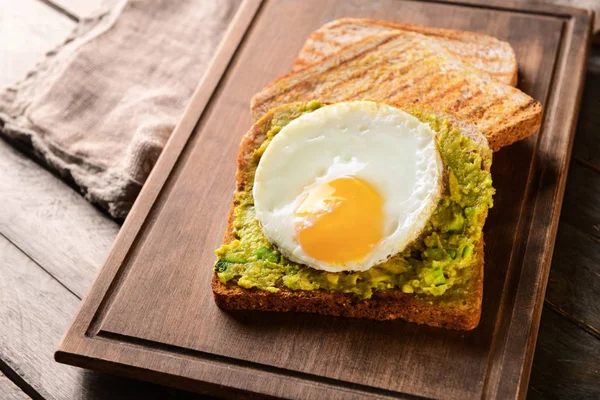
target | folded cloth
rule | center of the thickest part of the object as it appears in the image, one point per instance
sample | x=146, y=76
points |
x=100, y=108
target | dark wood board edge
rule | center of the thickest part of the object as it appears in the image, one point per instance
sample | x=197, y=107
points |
x=205, y=373
x=514, y=335
x=79, y=347
x=539, y=9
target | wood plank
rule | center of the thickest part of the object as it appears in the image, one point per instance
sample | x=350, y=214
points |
x=35, y=310
x=573, y=285
x=567, y=361
x=574, y=282
x=51, y=222
x=581, y=207
x=28, y=29
x=10, y=391
x=587, y=143
x=166, y=247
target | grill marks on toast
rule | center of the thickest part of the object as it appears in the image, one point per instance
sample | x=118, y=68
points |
x=366, y=82
x=288, y=88
x=350, y=67
x=485, y=53
x=451, y=91
x=400, y=68
x=529, y=105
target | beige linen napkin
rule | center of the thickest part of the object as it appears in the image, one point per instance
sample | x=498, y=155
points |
x=100, y=109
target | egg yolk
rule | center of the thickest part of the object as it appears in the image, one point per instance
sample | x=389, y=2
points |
x=340, y=221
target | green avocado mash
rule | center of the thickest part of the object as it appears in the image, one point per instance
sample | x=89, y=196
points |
x=440, y=260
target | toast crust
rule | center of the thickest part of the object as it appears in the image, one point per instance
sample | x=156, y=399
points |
x=384, y=305
x=388, y=305
x=485, y=53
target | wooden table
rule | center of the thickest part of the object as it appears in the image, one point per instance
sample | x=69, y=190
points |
x=52, y=242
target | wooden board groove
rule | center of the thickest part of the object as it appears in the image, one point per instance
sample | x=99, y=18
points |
x=123, y=323
x=229, y=361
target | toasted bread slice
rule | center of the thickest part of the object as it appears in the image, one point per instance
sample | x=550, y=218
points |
x=485, y=53
x=402, y=68
x=444, y=311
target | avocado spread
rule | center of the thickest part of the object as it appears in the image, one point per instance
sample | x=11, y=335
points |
x=440, y=262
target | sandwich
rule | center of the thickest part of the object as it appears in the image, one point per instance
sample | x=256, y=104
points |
x=358, y=209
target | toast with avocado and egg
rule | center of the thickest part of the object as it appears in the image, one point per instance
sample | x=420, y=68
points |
x=402, y=68
x=485, y=53
x=358, y=209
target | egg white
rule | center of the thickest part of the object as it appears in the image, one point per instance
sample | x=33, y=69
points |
x=384, y=146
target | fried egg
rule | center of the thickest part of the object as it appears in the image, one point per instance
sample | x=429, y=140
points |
x=345, y=187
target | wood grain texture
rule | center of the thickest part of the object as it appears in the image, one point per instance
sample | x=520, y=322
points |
x=581, y=208
x=72, y=237
x=157, y=278
x=35, y=310
x=567, y=361
x=574, y=281
x=587, y=145
x=593, y=5
x=10, y=391
x=24, y=39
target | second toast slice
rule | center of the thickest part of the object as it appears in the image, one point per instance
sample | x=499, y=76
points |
x=402, y=68
x=485, y=53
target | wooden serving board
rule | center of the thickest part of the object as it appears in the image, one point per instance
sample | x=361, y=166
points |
x=150, y=313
